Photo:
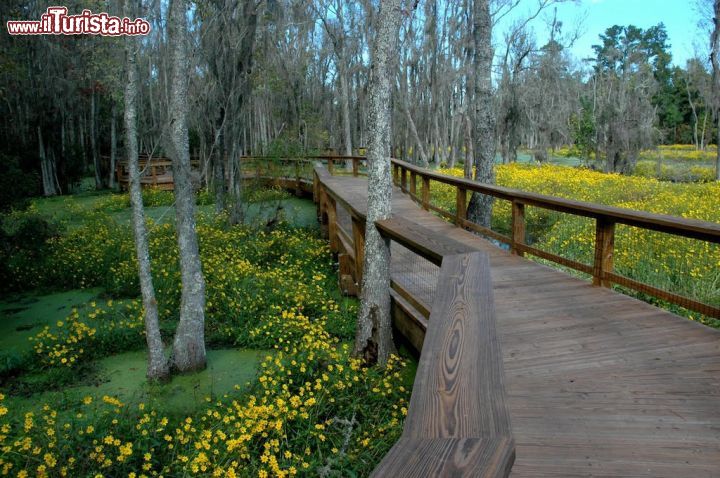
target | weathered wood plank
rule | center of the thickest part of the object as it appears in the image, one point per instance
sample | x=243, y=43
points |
x=458, y=389
x=458, y=423
x=422, y=241
x=448, y=457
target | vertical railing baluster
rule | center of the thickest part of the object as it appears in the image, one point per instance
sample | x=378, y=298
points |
x=460, y=206
x=425, y=192
x=604, y=249
x=332, y=224
x=358, y=231
x=518, y=227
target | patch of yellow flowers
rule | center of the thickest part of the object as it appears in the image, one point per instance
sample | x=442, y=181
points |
x=310, y=397
x=684, y=266
x=312, y=405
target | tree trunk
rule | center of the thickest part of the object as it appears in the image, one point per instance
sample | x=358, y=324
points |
x=345, y=101
x=81, y=120
x=468, y=164
x=715, y=60
x=157, y=364
x=93, y=142
x=717, y=154
x=416, y=137
x=218, y=160
x=49, y=178
x=480, y=207
x=373, y=337
x=189, y=343
x=113, y=144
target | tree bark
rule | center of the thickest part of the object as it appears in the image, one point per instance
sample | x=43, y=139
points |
x=157, y=364
x=468, y=164
x=93, y=142
x=480, y=207
x=373, y=338
x=218, y=160
x=715, y=60
x=189, y=343
x=416, y=137
x=113, y=143
x=345, y=100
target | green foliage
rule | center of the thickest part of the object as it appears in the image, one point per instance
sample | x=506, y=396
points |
x=16, y=185
x=24, y=238
x=312, y=406
x=583, y=130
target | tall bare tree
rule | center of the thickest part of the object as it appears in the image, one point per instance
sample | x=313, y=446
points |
x=373, y=338
x=157, y=364
x=189, y=344
x=480, y=207
x=715, y=60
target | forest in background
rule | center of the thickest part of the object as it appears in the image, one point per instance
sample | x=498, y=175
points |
x=291, y=77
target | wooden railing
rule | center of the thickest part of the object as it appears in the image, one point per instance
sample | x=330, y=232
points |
x=406, y=176
x=157, y=172
x=409, y=178
x=457, y=423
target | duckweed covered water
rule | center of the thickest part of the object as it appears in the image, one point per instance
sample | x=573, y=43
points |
x=23, y=316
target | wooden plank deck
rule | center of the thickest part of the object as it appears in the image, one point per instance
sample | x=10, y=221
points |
x=598, y=383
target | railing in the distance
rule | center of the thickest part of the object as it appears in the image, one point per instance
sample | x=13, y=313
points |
x=406, y=175
x=157, y=171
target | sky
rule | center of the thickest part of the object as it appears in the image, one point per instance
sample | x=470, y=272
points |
x=679, y=16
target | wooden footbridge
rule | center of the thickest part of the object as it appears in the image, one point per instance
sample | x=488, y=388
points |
x=524, y=369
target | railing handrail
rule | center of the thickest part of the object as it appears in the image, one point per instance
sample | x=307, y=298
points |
x=458, y=422
x=692, y=228
x=606, y=217
x=677, y=225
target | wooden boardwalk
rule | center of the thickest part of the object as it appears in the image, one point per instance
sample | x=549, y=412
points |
x=598, y=383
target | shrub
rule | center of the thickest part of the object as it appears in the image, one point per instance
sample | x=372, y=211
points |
x=16, y=185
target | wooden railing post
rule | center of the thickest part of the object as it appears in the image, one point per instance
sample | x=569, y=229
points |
x=355, y=166
x=396, y=174
x=316, y=185
x=358, y=231
x=425, y=192
x=604, y=248
x=413, y=184
x=518, y=227
x=460, y=206
x=330, y=165
x=298, y=189
x=332, y=223
x=403, y=180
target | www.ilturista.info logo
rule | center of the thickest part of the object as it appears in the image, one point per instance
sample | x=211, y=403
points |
x=56, y=21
